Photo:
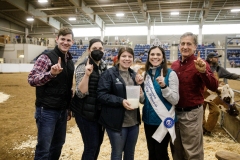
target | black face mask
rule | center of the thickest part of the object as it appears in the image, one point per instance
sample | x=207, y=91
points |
x=96, y=55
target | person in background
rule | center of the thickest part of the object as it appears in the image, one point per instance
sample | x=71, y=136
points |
x=115, y=60
x=159, y=110
x=212, y=59
x=52, y=75
x=210, y=123
x=120, y=120
x=193, y=74
x=85, y=105
x=80, y=44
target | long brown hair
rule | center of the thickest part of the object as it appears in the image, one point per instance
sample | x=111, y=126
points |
x=163, y=64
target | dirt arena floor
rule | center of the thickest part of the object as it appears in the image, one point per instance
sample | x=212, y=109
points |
x=18, y=128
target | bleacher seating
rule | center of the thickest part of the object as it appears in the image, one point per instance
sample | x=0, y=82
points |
x=202, y=50
x=143, y=49
x=77, y=52
x=233, y=56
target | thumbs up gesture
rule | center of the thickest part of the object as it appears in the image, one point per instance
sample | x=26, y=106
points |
x=56, y=68
x=200, y=64
x=160, y=79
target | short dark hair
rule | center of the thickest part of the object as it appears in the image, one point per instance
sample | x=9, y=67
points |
x=94, y=40
x=64, y=31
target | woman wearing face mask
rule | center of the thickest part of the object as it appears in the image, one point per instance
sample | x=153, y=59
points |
x=120, y=120
x=85, y=105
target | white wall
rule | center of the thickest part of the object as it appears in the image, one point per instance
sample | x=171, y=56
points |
x=234, y=70
x=11, y=68
x=33, y=51
x=30, y=52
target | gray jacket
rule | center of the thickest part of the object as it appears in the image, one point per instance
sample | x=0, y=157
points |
x=223, y=73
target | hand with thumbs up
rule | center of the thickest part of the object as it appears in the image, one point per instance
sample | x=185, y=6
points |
x=160, y=79
x=200, y=64
x=56, y=68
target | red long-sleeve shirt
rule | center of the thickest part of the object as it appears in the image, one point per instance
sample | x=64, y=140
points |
x=192, y=82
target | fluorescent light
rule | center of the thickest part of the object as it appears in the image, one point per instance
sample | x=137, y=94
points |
x=42, y=1
x=21, y=56
x=30, y=19
x=120, y=14
x=235, y=10
x=174, y=13
x=72, y=19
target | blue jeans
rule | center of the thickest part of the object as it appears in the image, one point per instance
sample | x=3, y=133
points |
x=124, y=141
x=51, y=126
x=92, y=136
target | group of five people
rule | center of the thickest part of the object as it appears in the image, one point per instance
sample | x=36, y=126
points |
x=172, y=101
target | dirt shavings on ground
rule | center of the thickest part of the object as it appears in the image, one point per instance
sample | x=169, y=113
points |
x=18, y=128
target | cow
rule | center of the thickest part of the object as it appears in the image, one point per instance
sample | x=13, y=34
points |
x=223, y=98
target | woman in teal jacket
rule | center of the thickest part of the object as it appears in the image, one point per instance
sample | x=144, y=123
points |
x=160, y=96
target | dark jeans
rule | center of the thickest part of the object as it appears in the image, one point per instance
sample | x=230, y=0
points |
x=51, y=126
x=156, y=150
x=92, y=136
x=123, y=142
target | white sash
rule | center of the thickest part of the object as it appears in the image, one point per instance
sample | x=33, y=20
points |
x=166, y=116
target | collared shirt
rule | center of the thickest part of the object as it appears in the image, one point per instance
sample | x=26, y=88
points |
x=40, y=74
x=192, y=82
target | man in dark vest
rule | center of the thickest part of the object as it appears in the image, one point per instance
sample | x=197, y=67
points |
x=52, y=75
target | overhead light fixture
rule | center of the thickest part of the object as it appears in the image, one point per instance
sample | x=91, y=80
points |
x=30, y=19
x=42, y=1
x=235, y=10
x=72, y=19
x=174, y=13
x=120, y=14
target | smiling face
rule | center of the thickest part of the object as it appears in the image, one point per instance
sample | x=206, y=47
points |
x=187, y=46
x=125, y=61
x=64, y=42
x=155, y=57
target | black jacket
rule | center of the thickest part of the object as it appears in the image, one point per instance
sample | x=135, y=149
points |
x=57, y=93
x=111, y=93
x=88, y=107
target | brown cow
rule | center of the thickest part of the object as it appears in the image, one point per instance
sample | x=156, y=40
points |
x=224, y=99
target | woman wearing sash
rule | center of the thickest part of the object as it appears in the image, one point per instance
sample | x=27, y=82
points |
x=120, y=120
x=160, y=96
